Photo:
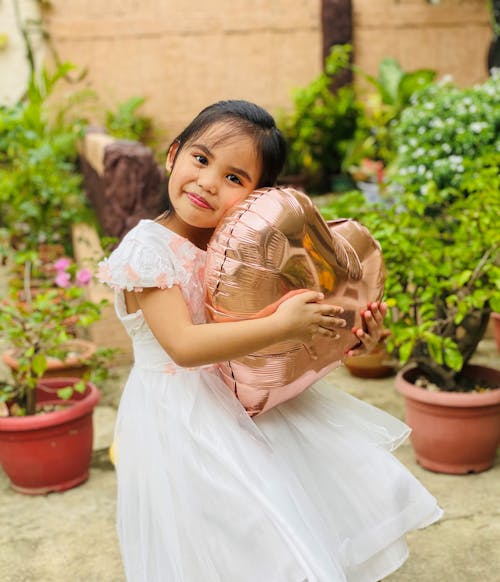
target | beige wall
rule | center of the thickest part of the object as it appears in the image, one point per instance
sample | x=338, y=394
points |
x=452, y=38
x=182, y=56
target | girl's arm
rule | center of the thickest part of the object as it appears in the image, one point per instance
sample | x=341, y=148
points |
x=298, y=318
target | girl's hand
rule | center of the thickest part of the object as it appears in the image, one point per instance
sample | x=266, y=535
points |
x=372, y=331
x=302, y=317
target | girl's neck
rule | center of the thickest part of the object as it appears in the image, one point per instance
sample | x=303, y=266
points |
x=198, y=236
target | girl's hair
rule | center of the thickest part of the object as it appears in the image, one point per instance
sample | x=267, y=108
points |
x=242, y=117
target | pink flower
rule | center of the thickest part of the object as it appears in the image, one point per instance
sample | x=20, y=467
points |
x=62, y=264
x=83, y=277
x=63, y=279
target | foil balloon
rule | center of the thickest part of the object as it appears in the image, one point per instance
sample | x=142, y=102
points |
x=274, y=243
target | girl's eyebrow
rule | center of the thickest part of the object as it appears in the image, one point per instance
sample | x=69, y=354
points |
x=209, y=154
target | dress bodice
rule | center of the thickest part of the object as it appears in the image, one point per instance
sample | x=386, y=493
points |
x=151, y=255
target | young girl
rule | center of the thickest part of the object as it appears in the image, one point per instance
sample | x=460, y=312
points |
x=307, y=492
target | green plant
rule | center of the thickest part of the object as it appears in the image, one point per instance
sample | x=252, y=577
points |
x=126, y=123
x=322, y=122
x=443, y=133
x=393, y=88
x=40, y=186
x=38, y=328
x=443, y=272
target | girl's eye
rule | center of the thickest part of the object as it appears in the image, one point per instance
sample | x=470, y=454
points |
x=201, y=159
x=233, y=178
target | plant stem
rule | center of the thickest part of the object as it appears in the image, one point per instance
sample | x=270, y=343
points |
x=27, y=281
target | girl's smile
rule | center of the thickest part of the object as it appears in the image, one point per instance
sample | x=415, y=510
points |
x=199, y=201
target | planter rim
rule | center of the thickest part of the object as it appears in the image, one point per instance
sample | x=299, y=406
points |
x=9, y=358
x=446, y=398
x=76, y=409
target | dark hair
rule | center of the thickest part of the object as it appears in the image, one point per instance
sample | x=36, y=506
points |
x=246, y=118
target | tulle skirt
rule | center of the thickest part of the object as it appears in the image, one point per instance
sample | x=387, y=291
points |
x=307, y=492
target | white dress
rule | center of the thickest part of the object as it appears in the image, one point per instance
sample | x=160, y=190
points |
x=307, y=492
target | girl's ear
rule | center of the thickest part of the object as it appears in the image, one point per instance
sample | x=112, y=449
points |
x=172, y=151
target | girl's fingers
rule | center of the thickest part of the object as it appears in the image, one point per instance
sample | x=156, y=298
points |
x=330, y=333
x=330, y=322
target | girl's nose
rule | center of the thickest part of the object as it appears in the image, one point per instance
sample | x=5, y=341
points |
x=207, y=181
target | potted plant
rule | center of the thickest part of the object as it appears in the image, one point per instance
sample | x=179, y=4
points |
x=441, y=243
x=46, y=423
x=371, y=150
x=320, y=125
x=40, y=185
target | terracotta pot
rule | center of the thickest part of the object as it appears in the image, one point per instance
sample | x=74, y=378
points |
x=52, y=451
x=453, y=432
x=73, y=366
x=377, y=364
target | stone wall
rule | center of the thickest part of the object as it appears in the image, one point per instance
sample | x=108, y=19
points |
x=182, y=56
x=452, y=38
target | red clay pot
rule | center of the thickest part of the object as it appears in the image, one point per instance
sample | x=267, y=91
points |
x=73, y=366
x=377, y=364
x=453, y=432
x=50, y=452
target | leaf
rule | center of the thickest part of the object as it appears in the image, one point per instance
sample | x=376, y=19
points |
x=39, y=364
x=452, y=356
x=80, y=387
x=390, y=75
x=435, y=345
x=405, y=351
x=65, y=393
x=462, y=278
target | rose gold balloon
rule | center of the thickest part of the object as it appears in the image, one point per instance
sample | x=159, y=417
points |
x=274, y=243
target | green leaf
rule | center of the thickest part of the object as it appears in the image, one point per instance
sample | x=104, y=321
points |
x=65, y=393
x=405, y=351
x=452, y=357
x=80, y=387
x=435, y=345
x=39, y=364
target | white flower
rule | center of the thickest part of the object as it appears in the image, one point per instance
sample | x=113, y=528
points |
x=477, y=126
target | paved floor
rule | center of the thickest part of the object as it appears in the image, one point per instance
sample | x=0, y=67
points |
x=70, y=537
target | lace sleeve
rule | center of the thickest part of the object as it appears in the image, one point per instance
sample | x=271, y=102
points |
x=140, y=262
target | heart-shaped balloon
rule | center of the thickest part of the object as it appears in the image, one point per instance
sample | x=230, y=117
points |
x=273, y=243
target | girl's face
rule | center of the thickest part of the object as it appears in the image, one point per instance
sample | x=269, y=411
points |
x=209, y=176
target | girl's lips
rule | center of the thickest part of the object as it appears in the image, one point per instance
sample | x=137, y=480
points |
x=198, y=201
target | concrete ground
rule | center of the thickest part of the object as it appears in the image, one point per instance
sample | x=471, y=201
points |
x=70, y=537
